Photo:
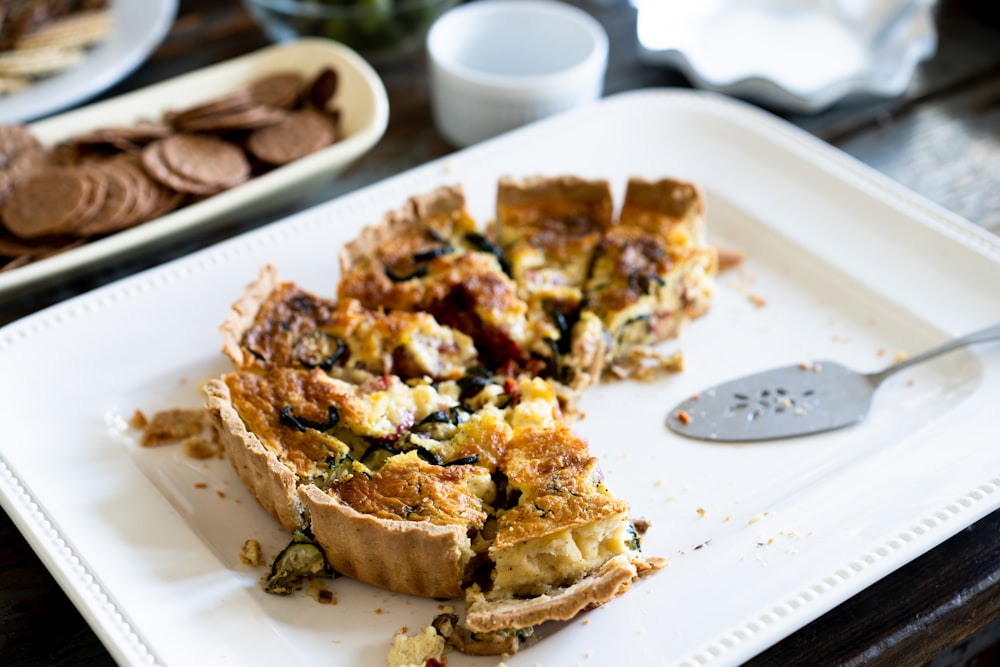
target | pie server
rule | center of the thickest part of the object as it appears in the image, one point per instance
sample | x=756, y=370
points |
x=793, y=401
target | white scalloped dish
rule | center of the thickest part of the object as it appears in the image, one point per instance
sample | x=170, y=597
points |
x=364, y=115
x=796, y=55
x=841, y=263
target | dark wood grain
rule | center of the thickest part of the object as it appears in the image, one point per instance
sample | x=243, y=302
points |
x=942, y=138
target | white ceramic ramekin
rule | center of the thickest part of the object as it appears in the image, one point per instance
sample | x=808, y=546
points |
x=498, y=64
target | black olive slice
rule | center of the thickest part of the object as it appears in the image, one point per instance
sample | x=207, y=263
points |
x=318, y=349
x=642, y=283
x=483, y=244
x=562, y=324
x=419, y=272
x=464, y=461
x=471, y=385
x=301, y=423
x=429, y=456
x=427, y=255
x=435, y=235
x=437, y=417
x=376, y=455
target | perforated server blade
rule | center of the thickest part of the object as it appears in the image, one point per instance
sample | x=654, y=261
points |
x=793, y=401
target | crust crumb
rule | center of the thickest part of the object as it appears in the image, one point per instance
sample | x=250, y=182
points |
x=425, y=647
x=321, y=593
x=251, y=554
x=730, y=258
x=173, y=425
x=193, y=429
x=646, y=363
x=138, y=420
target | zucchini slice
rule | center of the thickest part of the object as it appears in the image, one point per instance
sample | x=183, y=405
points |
x=297, y=561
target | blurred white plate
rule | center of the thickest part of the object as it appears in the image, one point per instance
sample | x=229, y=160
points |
x=796, y=55
x=139, y=26
x=854, y=267
x=360, y=96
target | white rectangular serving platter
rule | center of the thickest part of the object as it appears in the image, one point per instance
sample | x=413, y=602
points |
x=364, y=112
x=841, y=264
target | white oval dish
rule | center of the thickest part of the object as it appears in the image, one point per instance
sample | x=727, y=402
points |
x=364, y=114
x=796, y=55
x=139, y=26
x=498, y=64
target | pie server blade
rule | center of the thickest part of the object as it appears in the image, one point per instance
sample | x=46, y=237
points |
x=793, y=401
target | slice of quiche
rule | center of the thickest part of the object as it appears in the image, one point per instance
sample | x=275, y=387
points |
x=428, y=256
x=672, y=209
x=472, y=487
x=549, y=229
x=651, y=274
x=277, y=324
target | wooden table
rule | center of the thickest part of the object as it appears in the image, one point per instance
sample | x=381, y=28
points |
x=941, y=139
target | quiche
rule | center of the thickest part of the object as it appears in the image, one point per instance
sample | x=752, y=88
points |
x=278, y=324
x=418, y=428
x=549, y=230
x=428, y=256
x=652, y=273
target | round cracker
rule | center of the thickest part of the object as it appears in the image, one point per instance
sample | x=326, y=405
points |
x=249, y=118
x=155, y=164
x=14, y=140
x=280, y=89
x=117, y=205
x=232, y=102
x=141, y=185
x=324, y=87
x=124, y=137
x=165, y=200
x=6, y=183
x=205, y=159
x=95, y=199
x=27, y=163
x=147, y=194
x=47, y=203
x=297, y=135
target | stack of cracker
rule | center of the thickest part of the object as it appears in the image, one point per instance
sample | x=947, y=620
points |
x=42, y=38
x=110, y=179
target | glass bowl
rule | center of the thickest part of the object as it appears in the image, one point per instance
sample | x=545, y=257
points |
x=382, y=31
